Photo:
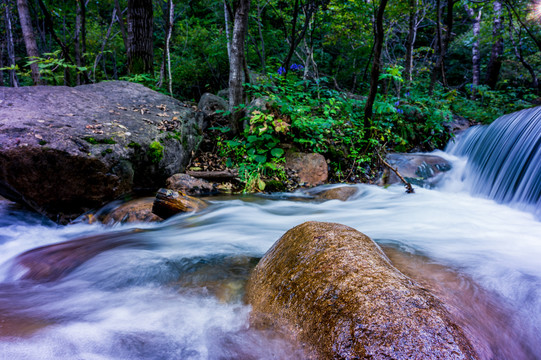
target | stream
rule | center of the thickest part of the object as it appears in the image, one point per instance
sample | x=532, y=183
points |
x=173, y=290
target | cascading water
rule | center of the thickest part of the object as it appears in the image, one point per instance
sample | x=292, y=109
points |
x=504, y=159
x=173, y=290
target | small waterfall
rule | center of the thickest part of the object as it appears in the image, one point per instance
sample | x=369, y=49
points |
x=504, y=159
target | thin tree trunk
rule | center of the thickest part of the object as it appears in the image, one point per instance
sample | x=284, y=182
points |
x=29, y=39
x=443, y=44
x=518, y=53
x=495, y=63
x=120, y=19
x=261, y=39
x=412, y=34
x=532, y=36
x=77, y=41
x=2, y=63
x=140, y=43
x=476, y=58
x=170, y=21
x=376, y=66
x=236, y=63
x=227, y=19
x=105, y=39
x=13, y=81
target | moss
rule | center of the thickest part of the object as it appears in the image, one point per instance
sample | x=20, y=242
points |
x=134, y=145
x=94, y=141
x=106, y=151
x=155, y=151
x=42, y=142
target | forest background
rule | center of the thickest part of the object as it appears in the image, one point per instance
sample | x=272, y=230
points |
x=350, y=79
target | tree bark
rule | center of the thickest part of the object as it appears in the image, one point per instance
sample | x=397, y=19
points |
x=170, y=21
x=376, y=66
x=227, y=18
x=120, y=19
x=140, y=29
x=236, y=63
x=13, y=81
x=29, y=39
x=476, y=58
x=443, y=44
x=495, y=62
x=412, y=34
x=80, y=38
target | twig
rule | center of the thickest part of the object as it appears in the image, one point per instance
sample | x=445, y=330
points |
x=409, y=188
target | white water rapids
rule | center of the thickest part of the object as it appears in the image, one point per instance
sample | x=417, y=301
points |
x=178, y=294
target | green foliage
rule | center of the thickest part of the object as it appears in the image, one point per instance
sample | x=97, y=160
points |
x=155, y=151
x=94, y=141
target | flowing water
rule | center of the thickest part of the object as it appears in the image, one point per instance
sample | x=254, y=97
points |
x=173, y=290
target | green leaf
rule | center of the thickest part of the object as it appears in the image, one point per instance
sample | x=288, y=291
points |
x=277, y=152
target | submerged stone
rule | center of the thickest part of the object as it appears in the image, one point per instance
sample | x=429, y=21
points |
x=333, y=289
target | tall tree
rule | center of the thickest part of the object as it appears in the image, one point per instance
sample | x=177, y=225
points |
x=379, y=35
x=237, y=56
x=495, y=62
x=13, y=80
x=476, y=58
x=29, y=39
x=443, y=43
x=80, y=37
x=518, y=51
x=412, y=34
x=140, y=44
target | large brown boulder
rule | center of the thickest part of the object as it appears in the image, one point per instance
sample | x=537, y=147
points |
x=334, y=290
x=311, y=168
x=64, y=151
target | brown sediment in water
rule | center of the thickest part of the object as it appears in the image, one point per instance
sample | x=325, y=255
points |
x=484, y=317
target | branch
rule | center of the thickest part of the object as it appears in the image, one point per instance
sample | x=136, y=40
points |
x=409, y=188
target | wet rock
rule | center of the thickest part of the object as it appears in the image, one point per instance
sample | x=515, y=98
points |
x=342, y=193
x=64, y=151
x=139, y=210
x=169, y=203
x=334, y=289
x=190, y=185
x=457, y=125
x=52, y=262
x=418, y=169
x=311, y=168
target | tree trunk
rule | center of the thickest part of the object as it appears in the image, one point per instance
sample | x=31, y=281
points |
x=120, y=19
x=495, y=63
x=518, y=53
x=376, y=66
x=443, y=44
x=29, y=39
x=140, y=29
x=236, y=63
x=476, y=58
x=261, y=39
x=170, y=20
x=80, y=38
x=13, y=81
x=412, y=34
x=227, y=19
x=105, y=39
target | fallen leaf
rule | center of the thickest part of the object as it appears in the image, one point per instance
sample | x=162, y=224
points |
x=38, y=136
